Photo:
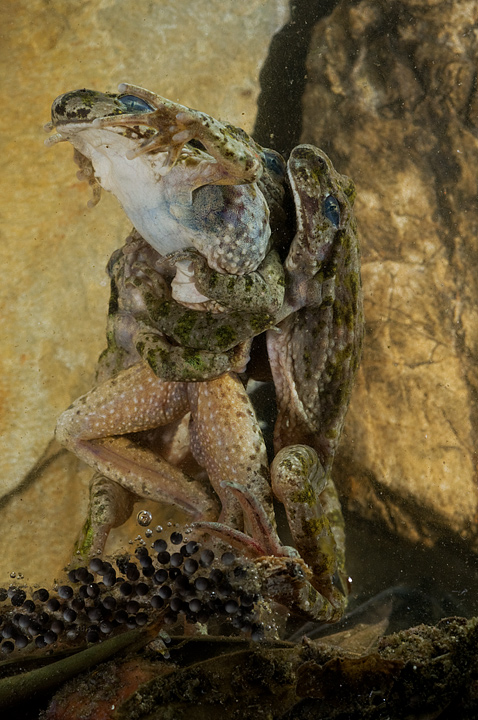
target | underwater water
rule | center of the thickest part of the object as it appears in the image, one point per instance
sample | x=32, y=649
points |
x=395, y=113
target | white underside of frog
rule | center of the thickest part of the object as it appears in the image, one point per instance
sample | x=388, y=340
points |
x=224, y=435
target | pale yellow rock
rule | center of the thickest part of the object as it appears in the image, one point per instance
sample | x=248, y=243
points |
x=54, y=291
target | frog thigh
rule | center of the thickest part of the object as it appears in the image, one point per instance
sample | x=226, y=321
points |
x=227, y=441
x=313, y=366
x=94, y=426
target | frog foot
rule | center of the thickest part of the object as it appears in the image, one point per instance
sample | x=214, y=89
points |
x=263, y=539
x=189, y=255
x=285, y=577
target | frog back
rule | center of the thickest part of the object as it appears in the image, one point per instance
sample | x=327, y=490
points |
x=315, y=352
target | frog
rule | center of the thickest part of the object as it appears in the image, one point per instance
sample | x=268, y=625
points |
x=184, y=179
x=110, y=146
x=314, y=353
x=139, y=139
x=224, y=436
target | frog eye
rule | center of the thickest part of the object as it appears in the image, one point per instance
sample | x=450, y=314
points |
x=332, y=210
x=274, y=162
x=135, y=104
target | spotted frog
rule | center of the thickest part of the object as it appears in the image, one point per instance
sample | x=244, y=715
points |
x=314, y=337
x=314, y=353
x=203, y=196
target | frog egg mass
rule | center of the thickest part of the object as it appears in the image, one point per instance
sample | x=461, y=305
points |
x=179, y=580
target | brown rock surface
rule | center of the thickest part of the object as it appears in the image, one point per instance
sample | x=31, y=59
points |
x=391, y=96
x=54, y=290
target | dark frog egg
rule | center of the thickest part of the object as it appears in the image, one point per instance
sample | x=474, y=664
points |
x=177, y=581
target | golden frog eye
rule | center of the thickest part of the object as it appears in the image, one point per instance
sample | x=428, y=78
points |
x=135, y=104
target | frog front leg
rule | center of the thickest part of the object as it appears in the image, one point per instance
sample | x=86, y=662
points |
x=175, y=363
x=209, y=343
x=95, y=426
x=238, y=156
x=260, y=292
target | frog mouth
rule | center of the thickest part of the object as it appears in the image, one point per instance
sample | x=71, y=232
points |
x=66, y=130
x=144, y=119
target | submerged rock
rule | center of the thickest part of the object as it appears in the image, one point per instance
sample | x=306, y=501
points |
x=391, y=96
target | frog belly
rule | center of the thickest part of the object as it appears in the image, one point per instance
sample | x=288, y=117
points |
x=136, y=183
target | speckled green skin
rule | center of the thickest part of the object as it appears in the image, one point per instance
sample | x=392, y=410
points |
x=314, y=358
x=179, y=343
x=249, y=305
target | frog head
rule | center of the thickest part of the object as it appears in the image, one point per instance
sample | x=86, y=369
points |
x=183, y=178
x=323, y=201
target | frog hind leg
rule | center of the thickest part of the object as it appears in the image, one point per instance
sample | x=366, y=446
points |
x=315, y=518
x=110, y=505
x=94, y=428
x=227, y=441
x=284, y=576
